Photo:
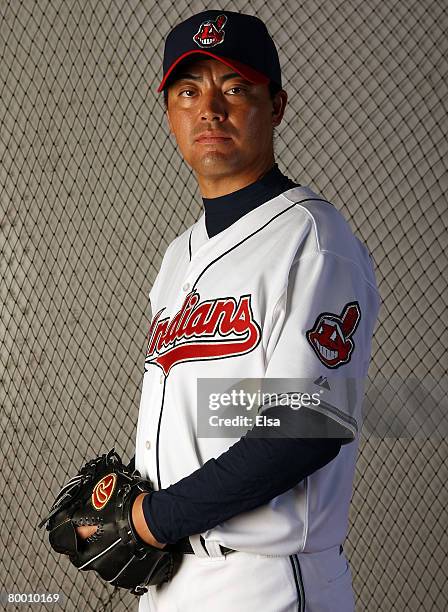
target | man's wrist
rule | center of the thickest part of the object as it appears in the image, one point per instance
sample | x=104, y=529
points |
x=140, y=524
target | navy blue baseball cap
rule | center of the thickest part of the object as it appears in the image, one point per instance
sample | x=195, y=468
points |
x=240, y=41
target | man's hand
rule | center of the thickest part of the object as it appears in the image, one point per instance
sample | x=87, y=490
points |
x=138, y=518
x=85, y=531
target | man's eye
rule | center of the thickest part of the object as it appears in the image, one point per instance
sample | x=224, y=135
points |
x=186, y=91
x=236, y=89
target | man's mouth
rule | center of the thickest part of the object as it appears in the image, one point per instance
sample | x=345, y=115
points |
x=212, y=138
x=209, y=140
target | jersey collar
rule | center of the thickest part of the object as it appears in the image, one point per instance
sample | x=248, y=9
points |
x=250, y=224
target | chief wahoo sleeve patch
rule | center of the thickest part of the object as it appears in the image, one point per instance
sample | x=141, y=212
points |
x=331, y=335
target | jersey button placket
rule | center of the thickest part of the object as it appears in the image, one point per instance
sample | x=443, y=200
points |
x=185, y=287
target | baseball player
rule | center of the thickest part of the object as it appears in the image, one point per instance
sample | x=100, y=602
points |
x=270, y=284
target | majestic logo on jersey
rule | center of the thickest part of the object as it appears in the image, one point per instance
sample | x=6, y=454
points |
x=331, y=335
x=103, y=490
x=212, y=329
x=211, y=33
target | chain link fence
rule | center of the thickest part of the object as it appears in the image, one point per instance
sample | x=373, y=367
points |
x=92, y=190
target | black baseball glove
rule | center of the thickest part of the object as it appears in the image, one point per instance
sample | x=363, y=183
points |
x=102, y=494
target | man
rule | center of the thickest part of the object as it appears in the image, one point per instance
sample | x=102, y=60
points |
x=269, y=283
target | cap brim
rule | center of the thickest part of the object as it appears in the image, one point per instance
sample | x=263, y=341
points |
x=245, y=71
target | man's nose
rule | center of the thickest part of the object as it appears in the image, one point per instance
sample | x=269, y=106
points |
x=213, y=106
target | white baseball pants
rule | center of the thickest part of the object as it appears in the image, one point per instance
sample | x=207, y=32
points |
x=244, y=582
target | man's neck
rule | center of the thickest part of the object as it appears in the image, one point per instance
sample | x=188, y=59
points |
x=215, y=187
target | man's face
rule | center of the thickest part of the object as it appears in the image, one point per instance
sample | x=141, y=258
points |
x=223, y=123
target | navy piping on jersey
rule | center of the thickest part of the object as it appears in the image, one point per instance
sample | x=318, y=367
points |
x=254, y=233
x=159, y=480
x=294, y=560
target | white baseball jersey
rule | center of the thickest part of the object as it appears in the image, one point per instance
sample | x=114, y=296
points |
x=287, y=291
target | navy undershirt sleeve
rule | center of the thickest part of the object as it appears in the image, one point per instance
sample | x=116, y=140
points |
x=250, y=473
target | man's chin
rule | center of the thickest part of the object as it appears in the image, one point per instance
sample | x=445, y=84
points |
x=216, y=163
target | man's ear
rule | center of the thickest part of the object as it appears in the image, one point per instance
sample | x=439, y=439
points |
x=278, y=107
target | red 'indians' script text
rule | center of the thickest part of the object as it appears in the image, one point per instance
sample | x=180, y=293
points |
x=209, y=320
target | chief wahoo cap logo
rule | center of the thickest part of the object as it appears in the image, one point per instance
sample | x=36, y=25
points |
x=211, y=33
x=103, y=490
